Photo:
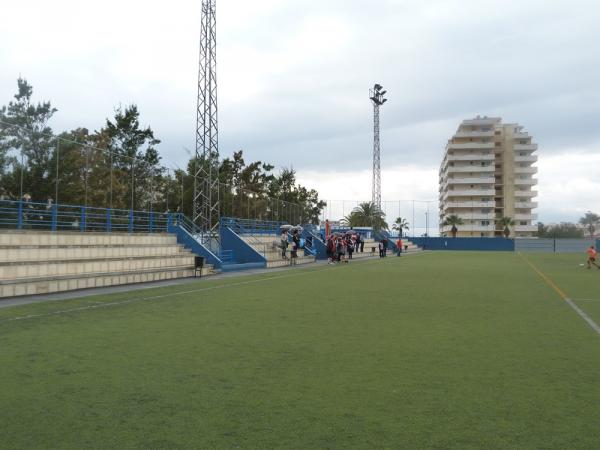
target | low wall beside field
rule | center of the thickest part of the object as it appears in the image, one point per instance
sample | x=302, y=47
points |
x=505, y=245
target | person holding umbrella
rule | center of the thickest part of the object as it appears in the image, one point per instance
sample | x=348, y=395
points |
x=284, y=240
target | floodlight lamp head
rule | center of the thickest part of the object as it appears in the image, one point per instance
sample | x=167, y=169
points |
x=383, y=93
x=378, y=87
x=383, y=101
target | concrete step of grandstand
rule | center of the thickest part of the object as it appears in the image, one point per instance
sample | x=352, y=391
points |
x=267, y=245
x=66, y=252
x=41, y=268
x=28, y=238
x=46, y=285
x=33, y=262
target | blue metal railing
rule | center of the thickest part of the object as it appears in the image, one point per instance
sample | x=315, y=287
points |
x=27, y=215
x=250, y=226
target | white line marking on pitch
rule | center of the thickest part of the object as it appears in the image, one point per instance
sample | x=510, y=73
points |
x=583, y=315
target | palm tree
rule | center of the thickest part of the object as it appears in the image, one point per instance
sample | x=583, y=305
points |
x=400, y=224
x=590, y=220
x=366, y=214
x=453, y=220
x=506, y=222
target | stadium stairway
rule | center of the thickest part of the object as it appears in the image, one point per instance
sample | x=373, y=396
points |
x=38, y=262
x=266, y=245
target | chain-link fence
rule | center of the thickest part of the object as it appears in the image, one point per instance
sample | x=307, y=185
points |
x=422, y=216
x=80, y=169
x=83, y=169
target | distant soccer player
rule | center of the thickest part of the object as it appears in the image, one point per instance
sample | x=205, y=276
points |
x=592, y=257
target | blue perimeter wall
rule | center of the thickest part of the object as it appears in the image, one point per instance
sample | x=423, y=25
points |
x=243, y=252
x=470, y=243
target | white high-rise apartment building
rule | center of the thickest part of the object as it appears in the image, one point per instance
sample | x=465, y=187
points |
x=487, y=174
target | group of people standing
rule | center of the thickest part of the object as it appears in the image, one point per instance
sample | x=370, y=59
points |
x=285, y=242
x=341, y=247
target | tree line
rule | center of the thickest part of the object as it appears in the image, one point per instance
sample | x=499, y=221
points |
x=119, y=166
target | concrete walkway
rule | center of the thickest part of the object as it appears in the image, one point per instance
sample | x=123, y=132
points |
x=81, y=293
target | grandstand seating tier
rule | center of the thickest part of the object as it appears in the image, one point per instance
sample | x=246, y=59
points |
x=43, y=262
x=266, y=245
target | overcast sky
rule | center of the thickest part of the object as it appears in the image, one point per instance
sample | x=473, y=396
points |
x=294, y=78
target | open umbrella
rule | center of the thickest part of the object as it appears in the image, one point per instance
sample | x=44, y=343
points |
x=286, y=227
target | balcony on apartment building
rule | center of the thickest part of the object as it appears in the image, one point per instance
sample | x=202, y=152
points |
x=481, y=121
x=520, y=216
x=467, y=204
x=526, y=194
x=529, y=158
x=468, y=193
x=470, y=168
x=525, y=181
x=470, y=146
x=526, y=205
x=526, y=170
x=470, y=180
x=471, y=157
x=474, y=134
x=525, y=147
x=476, y=216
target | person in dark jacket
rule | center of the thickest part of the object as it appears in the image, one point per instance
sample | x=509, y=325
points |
x=295, y=245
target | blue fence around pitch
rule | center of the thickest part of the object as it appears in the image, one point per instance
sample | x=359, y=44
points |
x=25, y=215
x=469, y=243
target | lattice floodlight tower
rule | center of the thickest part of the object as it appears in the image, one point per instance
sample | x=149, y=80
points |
x=376, y=95
x=206, y=165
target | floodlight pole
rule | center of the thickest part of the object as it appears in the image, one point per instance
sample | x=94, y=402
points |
x=376, y=95
x=206, y=208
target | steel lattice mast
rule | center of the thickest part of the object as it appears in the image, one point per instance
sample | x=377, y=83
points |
x=376, y=95
x=206, y=165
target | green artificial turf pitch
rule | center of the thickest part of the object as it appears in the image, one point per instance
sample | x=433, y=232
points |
x=436, y=350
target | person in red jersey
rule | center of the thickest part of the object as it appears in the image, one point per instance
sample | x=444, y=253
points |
x=592, y=257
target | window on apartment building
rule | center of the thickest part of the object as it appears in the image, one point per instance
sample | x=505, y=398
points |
x=498, y=144
x=485, y=222
x=471, y=162
x=472, y=186
x=523, y=223
x=483, y=164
